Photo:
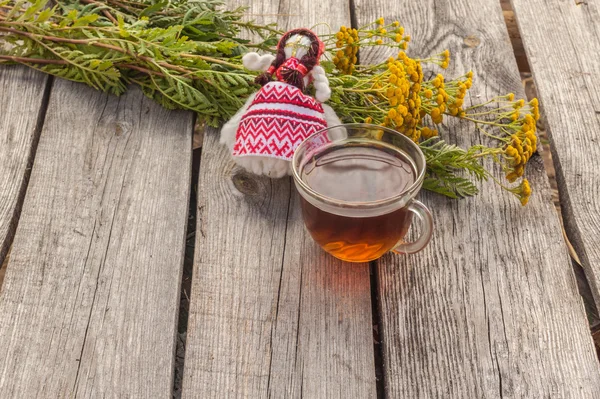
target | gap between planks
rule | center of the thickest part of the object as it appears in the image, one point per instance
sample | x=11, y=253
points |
x=6, y=248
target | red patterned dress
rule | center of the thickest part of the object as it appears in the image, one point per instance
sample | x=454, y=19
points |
x=277, y=121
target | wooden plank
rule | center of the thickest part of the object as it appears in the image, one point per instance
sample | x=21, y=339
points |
x=566, y=81
x=23, y=95
x=490, y=308
x=89, y=304
x=271, y=315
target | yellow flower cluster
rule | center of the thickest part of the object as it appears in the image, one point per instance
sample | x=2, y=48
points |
x=535, y=109
x=345, y=58
x=441, y=97
x=393, y=94
x=446, y=59
x=522, y=191
x=436, y=99
x=393, y=31
x=525, y=192
x=521, y=147
x=404, y=78
x=458, y=91
x=427, y=133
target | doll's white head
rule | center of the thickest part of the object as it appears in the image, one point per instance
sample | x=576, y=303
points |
x=297, y=46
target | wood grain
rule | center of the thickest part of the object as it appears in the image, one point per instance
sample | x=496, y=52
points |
x=566, y=81
x=89, y=304
x=271, y=315
x=490, y=308
x=23, y=99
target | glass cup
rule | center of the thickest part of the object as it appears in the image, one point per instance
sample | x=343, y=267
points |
x=358, y=184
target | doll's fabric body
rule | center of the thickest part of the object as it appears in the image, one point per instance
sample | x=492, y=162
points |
x=279, y=118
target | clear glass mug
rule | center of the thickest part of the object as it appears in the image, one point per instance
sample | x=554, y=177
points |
x=358, y=184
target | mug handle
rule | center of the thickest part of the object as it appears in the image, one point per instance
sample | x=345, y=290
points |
x=424, y=216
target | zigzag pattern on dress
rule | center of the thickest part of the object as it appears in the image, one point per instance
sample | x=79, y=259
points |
x=283, y=93
x=274, y=136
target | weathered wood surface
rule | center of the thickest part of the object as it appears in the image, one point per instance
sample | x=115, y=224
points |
x=89, y=303
x=23, y=105
x=490, y=308
x=271, y=315
x=562, y=41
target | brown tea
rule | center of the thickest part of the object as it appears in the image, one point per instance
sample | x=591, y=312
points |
x=358, y=174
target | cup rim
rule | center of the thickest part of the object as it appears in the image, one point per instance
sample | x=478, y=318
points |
x=412, y=189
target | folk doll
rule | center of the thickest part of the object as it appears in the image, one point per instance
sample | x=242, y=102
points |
x=263, y=135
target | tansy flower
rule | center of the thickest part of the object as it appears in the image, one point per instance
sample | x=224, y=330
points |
x=536, y=111
x=446, y=59
x=428, y=133
x=522, y=191
x=345, y=60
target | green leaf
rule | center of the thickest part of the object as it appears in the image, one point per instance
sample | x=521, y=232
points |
x=450, y=186
x=158, y=6
x=85, y=20
x=45, y=15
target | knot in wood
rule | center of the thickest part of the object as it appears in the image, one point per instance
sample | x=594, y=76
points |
x=472, y=41
x=122, y=127
x=245, y=183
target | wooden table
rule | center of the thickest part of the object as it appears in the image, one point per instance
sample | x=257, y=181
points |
x=94, y=196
